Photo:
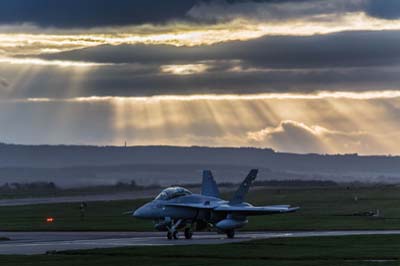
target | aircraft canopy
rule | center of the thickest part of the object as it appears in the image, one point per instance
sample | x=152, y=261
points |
x=173, y=192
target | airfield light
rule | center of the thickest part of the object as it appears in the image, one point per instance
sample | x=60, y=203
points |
x=49, y=219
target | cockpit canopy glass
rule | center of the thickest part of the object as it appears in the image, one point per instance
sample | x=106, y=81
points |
x=173, y=192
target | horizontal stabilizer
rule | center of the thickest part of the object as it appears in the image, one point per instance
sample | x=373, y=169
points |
x=252, y=210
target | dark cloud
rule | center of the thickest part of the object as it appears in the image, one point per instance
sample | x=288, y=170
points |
x=342, y=61
x=116, y=83
x=284, y=9
x=389, y=9
x=125, y=81
x=95, y=13
x=91, y=13
x=271, y=10
x=347, y=49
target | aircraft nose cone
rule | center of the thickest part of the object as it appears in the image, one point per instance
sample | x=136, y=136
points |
x=144, y=212
x=138, y=213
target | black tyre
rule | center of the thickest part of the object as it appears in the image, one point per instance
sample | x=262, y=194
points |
x=169, y=235
x=188, y=233
x=230, y=233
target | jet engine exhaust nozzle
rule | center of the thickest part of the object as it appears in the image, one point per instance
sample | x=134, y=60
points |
x=228, y=224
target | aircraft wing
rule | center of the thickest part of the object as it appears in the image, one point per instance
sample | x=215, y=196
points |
x=191, y=205
x=245, y=210
x=252, y=210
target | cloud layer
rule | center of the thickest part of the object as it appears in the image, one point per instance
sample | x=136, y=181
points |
x=97, y=13
x=293, y=136
x=299, y=76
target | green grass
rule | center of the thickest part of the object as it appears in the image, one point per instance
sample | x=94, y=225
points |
x=70, y=192
x=100, y=216
x=313, y=251
x=330, y=208
x=321, y=209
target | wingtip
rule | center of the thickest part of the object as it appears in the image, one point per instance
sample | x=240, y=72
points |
x=293, y=209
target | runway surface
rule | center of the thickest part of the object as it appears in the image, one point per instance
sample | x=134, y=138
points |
x=28, y=243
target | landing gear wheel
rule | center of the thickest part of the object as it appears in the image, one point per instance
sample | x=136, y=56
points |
x=169, y=235
x=188, y=233
x=230, y=233
x=175, y=235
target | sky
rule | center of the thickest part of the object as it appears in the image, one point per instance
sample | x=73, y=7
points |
x=303, y=76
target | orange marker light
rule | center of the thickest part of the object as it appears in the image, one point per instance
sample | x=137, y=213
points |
x=49, y=219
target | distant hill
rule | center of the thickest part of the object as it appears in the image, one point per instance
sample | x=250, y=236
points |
x=167, y=164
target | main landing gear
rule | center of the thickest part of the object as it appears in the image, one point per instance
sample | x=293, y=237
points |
x=188, y=233
x=230, y=233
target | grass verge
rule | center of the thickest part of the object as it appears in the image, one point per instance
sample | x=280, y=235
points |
x=321, y=209
x=314, y=251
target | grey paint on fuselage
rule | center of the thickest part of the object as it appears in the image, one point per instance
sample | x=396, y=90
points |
x=159, y=209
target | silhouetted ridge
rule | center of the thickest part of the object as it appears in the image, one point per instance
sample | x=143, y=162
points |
x=108, y=165
x=64, y=156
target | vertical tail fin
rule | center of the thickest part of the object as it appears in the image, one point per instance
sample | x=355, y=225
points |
x=239, y=195
x=209, y=186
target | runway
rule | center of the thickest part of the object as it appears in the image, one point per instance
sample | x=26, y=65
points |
x=29, y=243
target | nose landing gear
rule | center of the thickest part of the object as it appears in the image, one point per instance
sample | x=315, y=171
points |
x=172, y=230
x=172, y=235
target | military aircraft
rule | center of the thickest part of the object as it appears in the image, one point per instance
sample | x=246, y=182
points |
x=177, y=208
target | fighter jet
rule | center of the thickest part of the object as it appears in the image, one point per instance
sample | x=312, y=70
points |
x=176, y=208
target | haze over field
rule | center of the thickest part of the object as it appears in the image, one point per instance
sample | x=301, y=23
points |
x=76, y=166
x=293, y=75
